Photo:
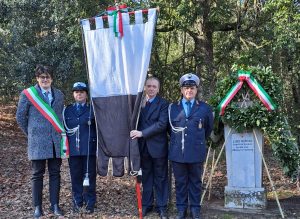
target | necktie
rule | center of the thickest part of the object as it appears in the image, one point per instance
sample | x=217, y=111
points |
x=189, y=108
x=79, y=108
x=46, y=94
x=147, y=106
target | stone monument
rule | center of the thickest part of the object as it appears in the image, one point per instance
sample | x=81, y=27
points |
x=244, y=169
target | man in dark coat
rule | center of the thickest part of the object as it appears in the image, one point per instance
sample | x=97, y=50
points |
x=153, y=143
x=79, y=122
x=43, y=139
x=191, y=121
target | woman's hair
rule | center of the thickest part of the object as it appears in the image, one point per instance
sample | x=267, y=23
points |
x=43, y=69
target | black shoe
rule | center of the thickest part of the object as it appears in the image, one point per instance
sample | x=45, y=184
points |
x=38, y=211
x=195, y=215
x=146, y=210
x=55, y=209
x=181, y=215
x=163, y=214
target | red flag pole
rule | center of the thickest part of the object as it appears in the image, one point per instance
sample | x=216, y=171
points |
x=138, y=193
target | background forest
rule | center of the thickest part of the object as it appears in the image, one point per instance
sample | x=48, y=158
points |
x=203, y=36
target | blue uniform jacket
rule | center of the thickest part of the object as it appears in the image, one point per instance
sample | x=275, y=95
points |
x=198, y=125
x=154, y=128
x=72, y=119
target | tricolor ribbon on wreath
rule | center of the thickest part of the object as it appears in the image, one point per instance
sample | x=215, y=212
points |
x=254, y=85
x=45, y=109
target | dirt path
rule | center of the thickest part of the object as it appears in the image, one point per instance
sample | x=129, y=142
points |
x=115, y=196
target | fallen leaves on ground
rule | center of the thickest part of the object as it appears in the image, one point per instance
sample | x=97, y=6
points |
x=115, y=196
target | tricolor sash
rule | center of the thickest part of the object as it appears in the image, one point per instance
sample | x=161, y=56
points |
x=44, y=108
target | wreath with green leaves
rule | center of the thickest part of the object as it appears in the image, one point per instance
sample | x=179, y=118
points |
x=272, y=123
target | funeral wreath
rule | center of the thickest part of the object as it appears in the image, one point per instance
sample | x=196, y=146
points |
x=251, y=97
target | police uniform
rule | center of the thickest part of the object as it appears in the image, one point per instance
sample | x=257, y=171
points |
x=188, y=148
x=83, y=143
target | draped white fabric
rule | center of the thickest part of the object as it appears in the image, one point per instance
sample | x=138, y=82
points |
x=118, y=65
x=117, y=71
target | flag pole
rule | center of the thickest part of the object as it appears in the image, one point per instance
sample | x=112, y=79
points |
x=139, y=175
x=86, y=181
x=138, y=193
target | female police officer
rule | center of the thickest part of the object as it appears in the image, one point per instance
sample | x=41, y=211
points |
x=191, y=122
x=80, y=125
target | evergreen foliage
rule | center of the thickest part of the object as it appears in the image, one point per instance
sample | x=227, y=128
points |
x=273, y=124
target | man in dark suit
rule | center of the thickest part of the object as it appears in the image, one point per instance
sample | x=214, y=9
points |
x=191, y=122
x=153, y=143
x=80, y=124
x=43, y=139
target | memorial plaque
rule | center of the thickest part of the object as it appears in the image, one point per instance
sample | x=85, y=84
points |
x=243, y=174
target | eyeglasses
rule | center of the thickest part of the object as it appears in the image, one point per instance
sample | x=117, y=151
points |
x=44, y=77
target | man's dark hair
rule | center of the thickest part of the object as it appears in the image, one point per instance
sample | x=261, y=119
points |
x=43, y=69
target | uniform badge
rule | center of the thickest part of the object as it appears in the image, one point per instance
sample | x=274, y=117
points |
x=200, y=124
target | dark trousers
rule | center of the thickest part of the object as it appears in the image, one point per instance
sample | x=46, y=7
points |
x=38, y=171
x=154, y=176
x=188, y=185
x=78, y=169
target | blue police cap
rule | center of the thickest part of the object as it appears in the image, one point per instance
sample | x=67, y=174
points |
x=79, y=86
x=189, y=80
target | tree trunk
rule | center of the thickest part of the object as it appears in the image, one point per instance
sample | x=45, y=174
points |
x=203, y=52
